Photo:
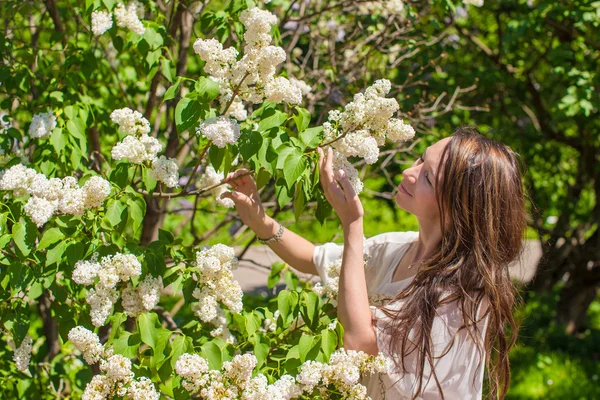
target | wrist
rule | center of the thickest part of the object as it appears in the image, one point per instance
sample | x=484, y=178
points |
x=353, y=224
x=354, y=227
x=267, y=228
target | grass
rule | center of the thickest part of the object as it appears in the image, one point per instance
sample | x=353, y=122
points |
x=548, y=364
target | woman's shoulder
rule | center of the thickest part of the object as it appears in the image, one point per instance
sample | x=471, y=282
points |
x=393, y=237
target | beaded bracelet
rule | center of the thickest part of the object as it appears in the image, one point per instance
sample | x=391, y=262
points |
x=274, y=238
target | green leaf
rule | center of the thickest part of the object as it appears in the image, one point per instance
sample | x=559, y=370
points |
x=50, y=237
x=294, y=167
x=282, y=153
x=181, y=344
x=302, y=119
x=207, y=89
x=299, y=200
x=213, y=354
x=127, y=344
x=114, y=212
x=275, y=274
x=76, y=127
x=172, y=90
x=262, y=178
x=284, y=304
x=187, y=113
x=329, y=341
x=249, y=144
x=323, y=208
x=216, y=156
x=165, y=65
x=283, y=194
x=305, y=345
x=24, y=236
x=120, y=175
x=54, y=255
x=136, y=212
x=311, y=137
x=261, y=350
x=271, y=118
x=57, y=139
x=310, y=309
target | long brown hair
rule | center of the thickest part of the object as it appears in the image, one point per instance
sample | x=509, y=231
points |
x=481, y=199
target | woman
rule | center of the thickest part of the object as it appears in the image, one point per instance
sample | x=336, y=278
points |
x=451, y=299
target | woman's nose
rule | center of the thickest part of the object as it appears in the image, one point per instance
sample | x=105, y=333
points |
x=408, y=175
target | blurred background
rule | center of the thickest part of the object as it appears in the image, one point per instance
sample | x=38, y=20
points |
x=525, y=72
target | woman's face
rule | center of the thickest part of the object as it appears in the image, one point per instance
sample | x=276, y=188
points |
x=416, y=192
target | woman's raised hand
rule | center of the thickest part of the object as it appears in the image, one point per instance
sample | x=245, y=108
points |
x=343, y=199
x=246, y=198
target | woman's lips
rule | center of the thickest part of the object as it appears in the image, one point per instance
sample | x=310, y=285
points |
x=403, y=190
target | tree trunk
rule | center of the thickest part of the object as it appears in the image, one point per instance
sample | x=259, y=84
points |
x=574, y=302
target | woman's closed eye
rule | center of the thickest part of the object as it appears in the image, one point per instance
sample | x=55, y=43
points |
x=426, y=173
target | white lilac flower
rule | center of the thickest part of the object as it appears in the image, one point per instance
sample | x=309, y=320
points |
x=130, y=121
x=125, y=265
x=300, y=84
x=165, y=170
x=22, y=354
x=237, y=110
x=206, y=307
x=211, y=178
x=358, y=144
x=127, y=17
x=239, y=369
x=49, y=189
x=365, y=124
x=143, y=298
x=95, y=190
x=40, y=210
x=280, y=89
x=101, y=301
x=341, y=163
x=101, y=22
x=42, y=125
x=215, y=265
x=143, y=389
x=190, y=365
x=72, y=200
x=85, y=272
x=218, y=60
x=99, y=388
x=136, y=151
x=398, y=131
x=117, y=368
x=17, y=178
x=88, y=343
x=221, y=131
x=258, y=26
x=309, y=375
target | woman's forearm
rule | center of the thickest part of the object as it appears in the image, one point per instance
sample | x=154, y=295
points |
x=293, y=248
x=353, y=301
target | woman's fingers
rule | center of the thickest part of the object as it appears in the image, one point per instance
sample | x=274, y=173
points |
x=349, y=191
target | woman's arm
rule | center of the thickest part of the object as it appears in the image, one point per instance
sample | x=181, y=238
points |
x=353, y=302
x=292, y=248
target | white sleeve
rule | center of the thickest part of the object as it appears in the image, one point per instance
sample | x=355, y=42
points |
x=328, y=253
x=459, y=371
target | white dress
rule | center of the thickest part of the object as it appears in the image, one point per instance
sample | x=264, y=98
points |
x=457, y=371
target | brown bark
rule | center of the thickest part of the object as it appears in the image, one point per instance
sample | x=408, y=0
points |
x=574, y=302
x=49, y=324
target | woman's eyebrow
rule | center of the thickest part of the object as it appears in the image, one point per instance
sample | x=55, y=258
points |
x=423, y=158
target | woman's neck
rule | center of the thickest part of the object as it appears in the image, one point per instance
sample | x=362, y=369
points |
x=428, y=241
